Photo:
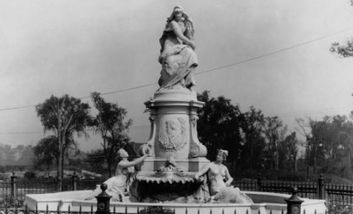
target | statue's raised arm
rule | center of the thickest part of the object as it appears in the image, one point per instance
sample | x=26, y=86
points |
x=177, y=56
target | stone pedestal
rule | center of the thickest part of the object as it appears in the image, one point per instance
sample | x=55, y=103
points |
x=173, y=116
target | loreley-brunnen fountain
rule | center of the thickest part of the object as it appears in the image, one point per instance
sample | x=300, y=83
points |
x=175, y=173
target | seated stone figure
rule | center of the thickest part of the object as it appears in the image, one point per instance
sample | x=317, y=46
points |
x=118, y=185
x=219, y=182
x=177, y=57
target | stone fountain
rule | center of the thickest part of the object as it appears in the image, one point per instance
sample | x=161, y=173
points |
x=176, y=154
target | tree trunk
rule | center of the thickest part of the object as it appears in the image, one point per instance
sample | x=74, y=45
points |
x=275, y=154
x=276, y=159
x=60, y=167
x=295, y=164
x=62, y=162
x=251, y=155
x=62, y=146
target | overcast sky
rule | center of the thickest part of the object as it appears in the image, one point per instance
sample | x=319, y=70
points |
x=278, y=49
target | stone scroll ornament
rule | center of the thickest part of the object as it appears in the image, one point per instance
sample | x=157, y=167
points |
x=194, y=147
x=172, y=135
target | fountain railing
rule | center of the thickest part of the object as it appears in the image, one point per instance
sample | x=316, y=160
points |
x=264, y=203
x=336, y=194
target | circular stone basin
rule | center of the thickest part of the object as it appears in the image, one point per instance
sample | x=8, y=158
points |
x=264, y=203
x=166, y=185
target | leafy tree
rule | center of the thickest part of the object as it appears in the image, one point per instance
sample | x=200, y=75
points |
x=274, y=132
x=218, y=125
x=26, y=155
x=20, y=155
x=288, y=152
x=29, y=175
x=64, y=116
x=223, y=125
x=111, y=124
x=253, y=156
x=254, y=141
x=46, y=152
x=345, y=49
x=324, y=146
x=7, y=155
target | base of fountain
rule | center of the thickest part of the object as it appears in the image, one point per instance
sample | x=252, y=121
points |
x=264, y=203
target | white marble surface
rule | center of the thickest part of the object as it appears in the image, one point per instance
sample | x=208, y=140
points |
x=269, y=202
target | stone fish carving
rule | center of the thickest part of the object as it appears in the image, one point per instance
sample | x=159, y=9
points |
x=172, y=137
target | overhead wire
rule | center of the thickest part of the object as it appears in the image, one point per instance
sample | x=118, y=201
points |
x=208, y=70
x=197, y=73
x=24, y=132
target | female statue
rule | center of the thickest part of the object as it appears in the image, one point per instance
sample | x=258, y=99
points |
x=118, y=185
x=219, y=181
x=177, y=55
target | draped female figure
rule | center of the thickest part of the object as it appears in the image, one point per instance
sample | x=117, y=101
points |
x=177, y=55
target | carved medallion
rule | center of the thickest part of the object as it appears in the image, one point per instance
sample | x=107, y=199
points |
x=172, y=134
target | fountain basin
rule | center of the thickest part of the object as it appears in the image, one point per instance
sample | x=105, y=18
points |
x=264, y=203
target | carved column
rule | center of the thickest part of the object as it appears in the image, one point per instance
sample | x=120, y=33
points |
x=173, y=116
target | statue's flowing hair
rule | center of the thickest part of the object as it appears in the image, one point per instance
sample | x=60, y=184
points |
x=224, y=153
x=189, y=31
